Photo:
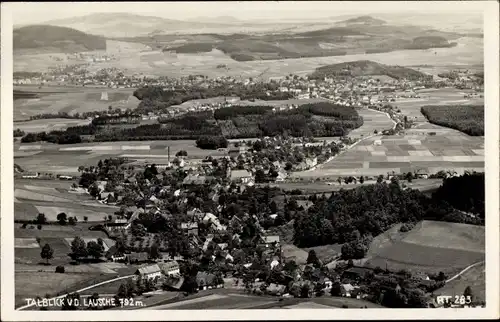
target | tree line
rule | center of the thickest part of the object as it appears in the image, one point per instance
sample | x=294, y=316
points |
x=465, y=118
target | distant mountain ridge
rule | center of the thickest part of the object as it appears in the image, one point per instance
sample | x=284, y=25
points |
x=368, y=20
x=56, y=39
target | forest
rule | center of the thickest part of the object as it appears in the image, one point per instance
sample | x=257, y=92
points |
x=353, y=217
x=318, y=120
x=465, y=118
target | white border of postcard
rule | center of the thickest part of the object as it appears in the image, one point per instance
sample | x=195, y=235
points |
x=491, y=63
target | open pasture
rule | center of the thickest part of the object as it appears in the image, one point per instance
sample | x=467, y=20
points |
x=47, y=125
x=442, y=96
x=448, y=235
x=33, y=284
x=60, y=159
x=51, y=213
x=58, y=231
x=81, y=100
x=292, y=252
x=430, y=247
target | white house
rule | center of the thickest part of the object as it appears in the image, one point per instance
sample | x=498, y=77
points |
x=148, y=272
x=170, y=268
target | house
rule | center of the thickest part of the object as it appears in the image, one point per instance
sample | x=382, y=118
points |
x=170, y=268
x=208, y=281
x=269, y=241
x=422, y=174
x=348, y=290
x=30, y=175
x=241, y=176
x=191, y=228
x=141, y=257
x=118, y=258
x=148, y=272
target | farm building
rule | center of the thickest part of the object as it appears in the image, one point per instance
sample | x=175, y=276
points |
x=170, y=268
x=241, y=176
x=148, y=272
x=236, y=151
x=349, y=291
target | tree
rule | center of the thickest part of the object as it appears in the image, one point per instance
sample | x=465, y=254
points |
x=94, y=249
x=305, y=290
x=181, y=153
x=78, y=248
x=62, y=218
x=409, y=177
x=154, y=252
x=71, y=221
x=41, y=219
x=312, y=258
x=468, y=292
x=47, y=253
x=85, y=218
x=361, y=179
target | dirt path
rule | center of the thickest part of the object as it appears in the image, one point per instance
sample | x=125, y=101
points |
x=463, y=271
x=80, y=290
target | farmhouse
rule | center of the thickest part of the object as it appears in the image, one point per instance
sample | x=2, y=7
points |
x=236, y=151
x=170, y=268
x=148, y=272
x=30, y=175
x=241, y=176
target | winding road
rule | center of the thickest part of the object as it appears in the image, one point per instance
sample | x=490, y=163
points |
x=463, y=271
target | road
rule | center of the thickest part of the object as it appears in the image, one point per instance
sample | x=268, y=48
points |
x=463, y=271
x=80, y=290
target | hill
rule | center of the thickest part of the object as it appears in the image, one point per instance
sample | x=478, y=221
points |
x=363, y=20
x=366, y=68
x=56, y=39
x=129, y=25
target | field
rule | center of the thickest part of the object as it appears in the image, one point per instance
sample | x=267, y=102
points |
x=47, y=125
x=430, y=247
x=31, y=285
x=32, y=197
x=54, y=99
x=62, y=159
x=475, y=278
x=415, y=150
x=137, y=58
x=223, y=299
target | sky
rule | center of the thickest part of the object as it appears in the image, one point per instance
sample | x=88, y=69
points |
x=36, y=12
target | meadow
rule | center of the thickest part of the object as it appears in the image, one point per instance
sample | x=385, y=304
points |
x=430, y=247
x=475, y=278
x=54, y=99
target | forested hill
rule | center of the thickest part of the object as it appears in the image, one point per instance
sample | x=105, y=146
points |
x=355, y=216
x=57, y=39
x=367, y=68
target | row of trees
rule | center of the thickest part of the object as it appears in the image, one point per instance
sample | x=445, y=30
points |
x=211, y=142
